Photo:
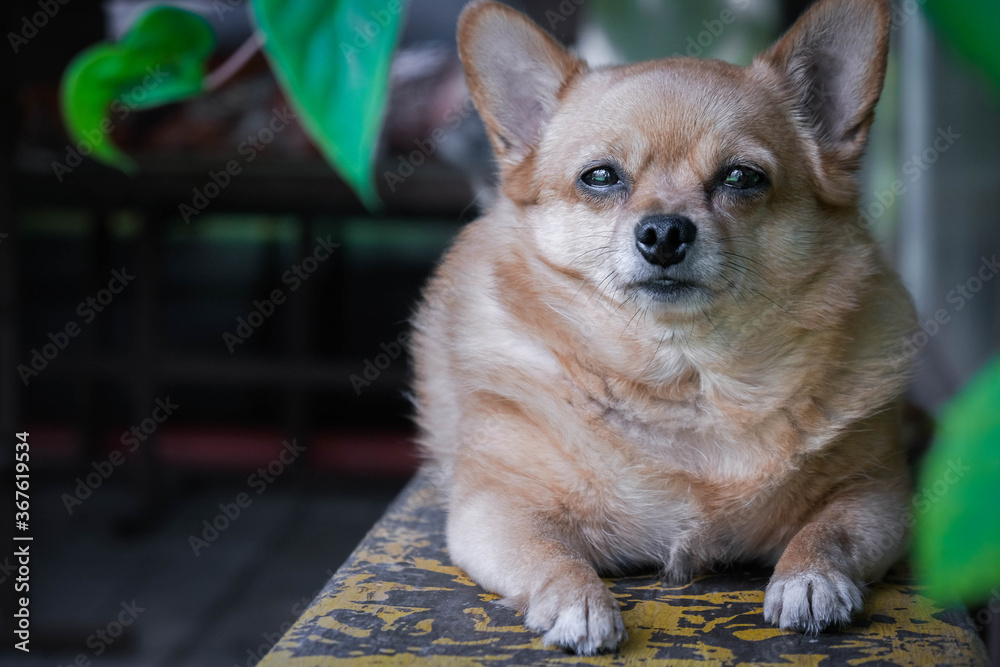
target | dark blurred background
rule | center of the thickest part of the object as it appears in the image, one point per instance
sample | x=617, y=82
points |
x=204, y=457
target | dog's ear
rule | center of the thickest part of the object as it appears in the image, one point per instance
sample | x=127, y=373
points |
x=515, y=73
x=834, y=61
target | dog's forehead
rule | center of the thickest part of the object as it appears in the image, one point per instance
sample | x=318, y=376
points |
x=667, y=102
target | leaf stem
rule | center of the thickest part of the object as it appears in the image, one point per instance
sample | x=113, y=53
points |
x=234, y=63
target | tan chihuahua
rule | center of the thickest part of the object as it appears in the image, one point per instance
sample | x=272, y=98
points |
x=668, y=344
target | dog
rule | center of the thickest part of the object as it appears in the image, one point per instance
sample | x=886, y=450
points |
x=669, y=343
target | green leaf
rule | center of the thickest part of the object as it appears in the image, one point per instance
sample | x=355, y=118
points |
x=332, y=57
x=160, y=60
x=971, y=28
x=957, y=537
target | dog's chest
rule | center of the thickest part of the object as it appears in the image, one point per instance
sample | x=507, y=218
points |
x=679, y=431
x=683, y=483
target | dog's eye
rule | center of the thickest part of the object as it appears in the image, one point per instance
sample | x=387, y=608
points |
x=600, y=177
x=743, y=178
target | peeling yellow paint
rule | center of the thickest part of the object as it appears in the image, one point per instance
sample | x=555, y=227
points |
x=758, y=634
x=445, y=641
x=399, y=602
x=485, y=623
x=458, y=576
x=333, y=624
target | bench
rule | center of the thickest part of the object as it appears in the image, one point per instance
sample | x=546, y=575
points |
x=399, y=601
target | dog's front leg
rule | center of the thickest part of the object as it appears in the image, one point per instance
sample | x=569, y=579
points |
x=518, y=553
x=820, y=578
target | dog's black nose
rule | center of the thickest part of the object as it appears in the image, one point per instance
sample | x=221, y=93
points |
x=663, y=240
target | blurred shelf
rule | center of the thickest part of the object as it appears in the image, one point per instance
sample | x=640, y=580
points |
x=262, y=186
x=232, y=371
x=370, y=453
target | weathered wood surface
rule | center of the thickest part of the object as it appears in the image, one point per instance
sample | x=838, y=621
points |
x=399, y=601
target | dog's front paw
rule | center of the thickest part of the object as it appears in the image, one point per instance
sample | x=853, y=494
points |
x=811, y=601
x=583, y=619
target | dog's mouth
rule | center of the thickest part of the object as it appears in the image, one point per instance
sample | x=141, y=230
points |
x=667, y=290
